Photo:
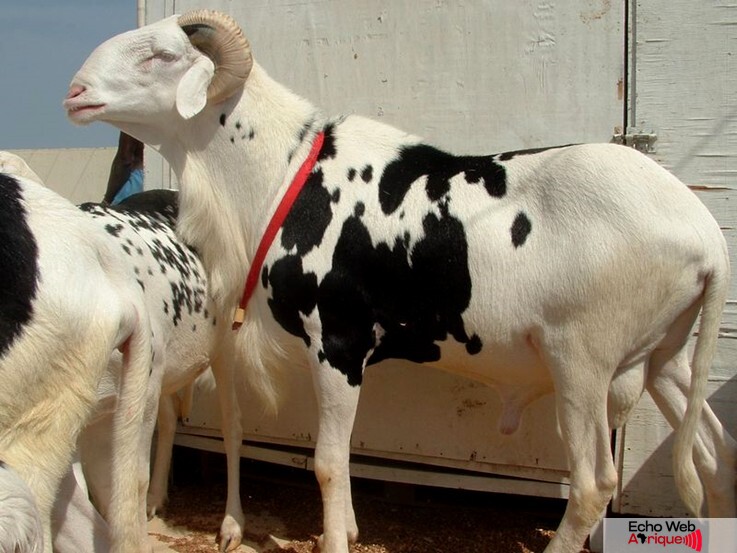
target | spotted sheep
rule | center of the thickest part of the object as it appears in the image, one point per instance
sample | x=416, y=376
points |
x=577, y=271
x=65, y=305
x=187, y=336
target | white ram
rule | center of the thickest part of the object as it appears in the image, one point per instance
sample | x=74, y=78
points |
x=578, y=271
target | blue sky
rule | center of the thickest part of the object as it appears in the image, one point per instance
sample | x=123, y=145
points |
x=42, y=44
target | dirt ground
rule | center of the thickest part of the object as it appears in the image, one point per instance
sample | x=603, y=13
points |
x=283, y=513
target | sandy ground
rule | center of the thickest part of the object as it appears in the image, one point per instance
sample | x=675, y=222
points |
x=283, y=514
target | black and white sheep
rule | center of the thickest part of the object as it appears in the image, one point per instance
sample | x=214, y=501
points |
x=578, y=271
x=66, y=304
x=188, y=337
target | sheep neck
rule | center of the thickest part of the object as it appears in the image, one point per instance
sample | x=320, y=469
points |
x=233, y=167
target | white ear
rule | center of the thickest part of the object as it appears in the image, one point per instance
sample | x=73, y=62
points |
x=192, y=89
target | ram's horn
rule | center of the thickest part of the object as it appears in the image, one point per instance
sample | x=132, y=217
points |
x=219, y=37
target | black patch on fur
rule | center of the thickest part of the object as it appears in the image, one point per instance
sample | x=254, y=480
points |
x=310, y=215
x=439, y=167
x=506, y=156
x=473, y=346
x=222, y=119
x=359, y=209
x=251, y=134
x=265, y=276
x=367, y=174
x=520, y=229
x=19, y=262
x=328, y=150
x=351, y=174
x=416, y=297
x=293, y=292
x=335, y=196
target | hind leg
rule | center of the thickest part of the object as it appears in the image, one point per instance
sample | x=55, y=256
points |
x=581, y=389
x=715, y=451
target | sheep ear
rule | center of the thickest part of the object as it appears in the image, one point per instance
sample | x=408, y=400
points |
x=192, y=89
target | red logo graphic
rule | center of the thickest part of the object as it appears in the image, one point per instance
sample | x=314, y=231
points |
x=693, y=540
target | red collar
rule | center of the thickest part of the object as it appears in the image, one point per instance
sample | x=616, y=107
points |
x=274, y=225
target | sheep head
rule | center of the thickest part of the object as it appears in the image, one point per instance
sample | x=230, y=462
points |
x=178, y=64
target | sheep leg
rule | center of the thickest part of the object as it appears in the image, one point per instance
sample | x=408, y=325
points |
x=166, y=428
x=231, y=530
x=584, y=425
x=127, y=514
x=715, y=451
x=337, y=402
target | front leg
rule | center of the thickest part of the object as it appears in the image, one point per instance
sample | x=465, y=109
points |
x=231, y=529
x=337, y=402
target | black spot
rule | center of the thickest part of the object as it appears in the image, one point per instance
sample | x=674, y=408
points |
x=251, y=134
x=19, y=262
x=439, y=167
x=310, y=215
x=367, y=174
x=335, y=196
x=293, y=292
x=265, y=276
x=328, y=150
x=520, y=229
x=222, y=119
x=359, y=210
x=506, y=156
x=321, y=356
x=351, y=174
x=114, y=230
x=238, y=125
x=232, y=139
x=473, y=346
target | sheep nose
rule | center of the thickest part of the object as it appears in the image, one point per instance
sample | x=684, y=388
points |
x=74, y=91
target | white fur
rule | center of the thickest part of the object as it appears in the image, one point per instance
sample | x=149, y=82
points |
x=84, y=308
x=595, y=307
x=20, y=525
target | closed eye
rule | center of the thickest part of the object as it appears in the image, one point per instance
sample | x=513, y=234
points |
x=164, y=55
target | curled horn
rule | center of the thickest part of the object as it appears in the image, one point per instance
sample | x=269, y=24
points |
x=220, y=38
